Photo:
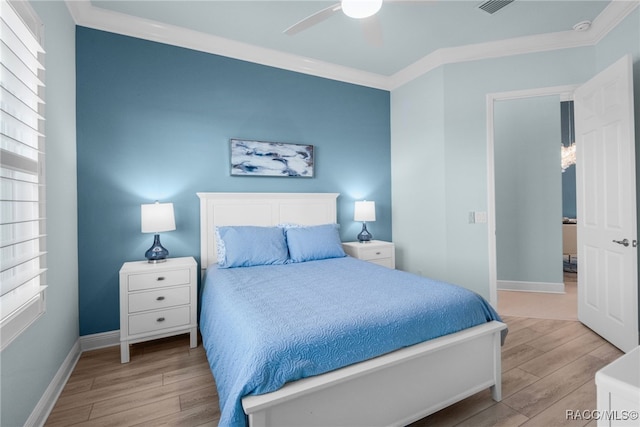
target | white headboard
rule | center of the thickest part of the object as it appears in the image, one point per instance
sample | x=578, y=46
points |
x=263, y=209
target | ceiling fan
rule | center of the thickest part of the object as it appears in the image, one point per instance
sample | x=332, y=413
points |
x=358, y=9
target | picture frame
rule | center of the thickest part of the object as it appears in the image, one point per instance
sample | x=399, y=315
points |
x=275, y=159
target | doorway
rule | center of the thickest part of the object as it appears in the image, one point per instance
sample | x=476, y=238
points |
x=534, y=271
x=606, y=201
x=532, y=253
x=569, y=212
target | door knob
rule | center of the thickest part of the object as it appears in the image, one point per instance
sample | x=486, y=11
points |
x=624, y=242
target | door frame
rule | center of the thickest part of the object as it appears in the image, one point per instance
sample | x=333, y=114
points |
x=566, y=94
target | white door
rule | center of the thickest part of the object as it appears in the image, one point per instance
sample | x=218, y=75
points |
x=606, y=206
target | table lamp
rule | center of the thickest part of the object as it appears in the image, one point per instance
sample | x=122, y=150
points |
x=366, y=212
x=156, y=218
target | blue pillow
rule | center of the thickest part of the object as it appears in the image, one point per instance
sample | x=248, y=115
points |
x=314, y=243
x=246, y=246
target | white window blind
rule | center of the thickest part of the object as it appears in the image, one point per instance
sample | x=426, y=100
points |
x=22, y=190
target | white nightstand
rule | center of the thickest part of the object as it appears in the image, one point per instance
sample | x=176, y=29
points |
x=156, y=301
x=376, y=251
x=618, y=391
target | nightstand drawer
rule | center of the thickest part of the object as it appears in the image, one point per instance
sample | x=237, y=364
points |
x=385, y=262
x=158, y=320
x=157, y=299
x=376, y=251
x=373, y=253
x=158, y=279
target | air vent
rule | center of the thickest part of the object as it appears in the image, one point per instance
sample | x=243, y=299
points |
x=492, y=6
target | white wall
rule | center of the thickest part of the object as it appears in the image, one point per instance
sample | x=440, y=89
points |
x=418, y=174
x=32, y=360
x=460, y=250
x=454, y=142
x=528, y=190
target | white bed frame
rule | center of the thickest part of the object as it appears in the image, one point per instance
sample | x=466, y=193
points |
x=393, y=389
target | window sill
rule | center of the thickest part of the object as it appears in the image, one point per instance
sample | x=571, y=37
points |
x=22, y=318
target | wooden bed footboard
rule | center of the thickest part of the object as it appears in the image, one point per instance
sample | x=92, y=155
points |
x=394, y=389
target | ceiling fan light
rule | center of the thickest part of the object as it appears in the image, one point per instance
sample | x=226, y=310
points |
x=361, y=8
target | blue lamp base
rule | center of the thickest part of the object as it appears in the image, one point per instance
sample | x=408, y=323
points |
x=156, y=253
x=364, y=235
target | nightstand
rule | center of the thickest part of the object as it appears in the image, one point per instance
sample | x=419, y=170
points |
x=156, y=301
x=376, y=251
x=618, y=390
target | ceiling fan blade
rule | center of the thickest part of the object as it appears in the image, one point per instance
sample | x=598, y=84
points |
x=312, y=20
x=372, y=30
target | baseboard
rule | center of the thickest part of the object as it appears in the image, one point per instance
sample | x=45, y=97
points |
x=546, y=287
x=44, y=407
x=96, y=341
x=50, y=396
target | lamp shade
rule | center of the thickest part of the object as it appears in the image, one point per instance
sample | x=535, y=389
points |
x=157, y=217
x=361, y=8
x=365, y=211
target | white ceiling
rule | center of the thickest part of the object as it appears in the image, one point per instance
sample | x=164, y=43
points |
x=416, y=34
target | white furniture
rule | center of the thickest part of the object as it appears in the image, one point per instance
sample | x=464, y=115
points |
x=156, y=301
x=618, y=394
x=375, y=251
x=394, y=389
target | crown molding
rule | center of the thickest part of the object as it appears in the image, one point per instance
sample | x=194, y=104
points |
x=608, y=19
x=87, y=15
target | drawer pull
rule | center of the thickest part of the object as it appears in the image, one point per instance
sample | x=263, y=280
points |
x=160, y=298
x=378, y=253
x=160, y=279
x=160, y=319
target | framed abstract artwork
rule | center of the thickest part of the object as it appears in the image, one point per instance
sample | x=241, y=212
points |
x=258, y=158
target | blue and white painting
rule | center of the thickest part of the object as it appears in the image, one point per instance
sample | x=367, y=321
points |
x=257, y=158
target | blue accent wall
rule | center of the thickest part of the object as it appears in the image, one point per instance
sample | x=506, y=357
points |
x=154, y=123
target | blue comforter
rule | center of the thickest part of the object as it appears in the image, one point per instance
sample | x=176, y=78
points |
x=264, y=326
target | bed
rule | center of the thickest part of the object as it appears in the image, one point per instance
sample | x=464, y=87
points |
x=412, y=371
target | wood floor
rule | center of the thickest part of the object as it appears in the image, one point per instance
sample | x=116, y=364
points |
x=548, y=368
x=542, y=305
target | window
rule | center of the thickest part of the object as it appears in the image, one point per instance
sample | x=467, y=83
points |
x=22, y=195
